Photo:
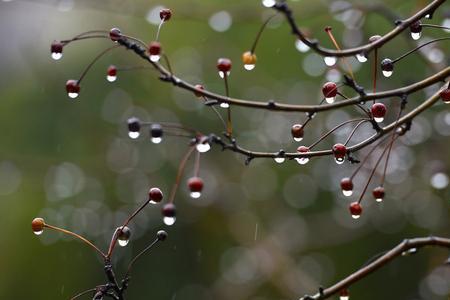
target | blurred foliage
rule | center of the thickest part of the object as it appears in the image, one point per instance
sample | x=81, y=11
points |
x=260, y=232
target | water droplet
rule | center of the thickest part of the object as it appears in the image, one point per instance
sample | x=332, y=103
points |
x=111, y=78
x=203, y=147
x=379, y=200
x=224, y=105
x=387, y=73
x=302, y=161
x=156, y=140
x=56, y=55
x=329, y=100
x=155, y=58
x=222, y=74
x=268, y=3
x=347, y=193
x=73, y=95
x=152, y=202
x=279, y=160
x=302, y=47
x=123, y=243
x=330, y=60
x=134, y=134
x=416, y=35
x=378, y=120
x=249, y=67
x=298, y=139
x=409, y=252
x=344, y=297
x=427, y=16
x=195, y=195
x=356, y=216
x=339, y=160
x=361, y=58
x=38, y=232
x=169, y=220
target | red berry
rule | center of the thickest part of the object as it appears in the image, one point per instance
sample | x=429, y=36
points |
x=165, y=14
x=297, y=131
x=154, y=48
x=169, y=210
x=224, y=65
x=302, y=149
x=199, y=87
x=445, y=95
x=387, y=65
x=378, y=110
x=329, y=90
x=339, y=150
x=112, y=70
x=346, y=184
x=115, y=34
x=155, y=195
x=355, y=209
x=195, y=184
x=416, y=27
x=72, y=86
x=38, y=225
x=344, y=293
x=378, y=193
x=56, y=47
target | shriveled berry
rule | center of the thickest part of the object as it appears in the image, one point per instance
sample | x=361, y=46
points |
x=115, y=34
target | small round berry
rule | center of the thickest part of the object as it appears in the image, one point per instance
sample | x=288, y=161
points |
x=124, y=234
x=387, y=66
x=344, y=294
x=329, y=90
x=416, y=27
x=165, y=14
x=56, y=49
x=37, y=225
x=378, y=193
x=112, y=70
x=134, y=124
x=195, y=184
x=200, y=88
x=72, y=88
x=302, y=160
x=378, y=111
x=169, y=210
x=249, y=58
x=297, y=132
x=161, y=235
x=339, y=150
x=155, y=195
x=224, y=65
x=154, y=48
x=346, y=184
x=156, y=130
x=445, y=95
x=355, y=209
x=302, y=149
x=115, y=34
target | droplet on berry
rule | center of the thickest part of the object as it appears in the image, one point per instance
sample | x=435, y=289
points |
x=416, y=30
x=330, y=60
x=329, y=90
x=156, y=133
x=302, y=160
x=134, y=126
x=445, y=95
x=378, y=111
x=169, y=212
x=224, y=67
x=339, y=151
x=387, y=67
x=361, y=57
x=344, y=295
x=111, y=73
x=165, y=14
x=279, y=159
x=378, y=193
x=124, y=234
x=355, y=209
x=155, y=51
x=202, y=145
x=56, y=50
x=297, y=132
x=249, y=60
x=155, y=195
x=37, y=225
x=161, y=235
x=72, y=88
x=115, y=34
x=195, y=185
x=347, y=186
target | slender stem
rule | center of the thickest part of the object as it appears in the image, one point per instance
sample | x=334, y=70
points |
x=418, y=47
x=139, y=255
x=375, y=72
x=349, y=68
x=197, y=164
x=159, y=29
x=94, y=60
x=136, y=40
x=66, y=42
x=258, y=36
x=83, y=293
x=219, y=116
x=435, y=26
x=180, y=173
x=354, y=130
x=87, y=242
x=227, y=94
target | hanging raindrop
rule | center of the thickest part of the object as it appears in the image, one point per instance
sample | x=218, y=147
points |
x=347, y=193
x=302, y=47
x=339, y=160
x=279, y=160
x=416, y=35
x=330, y=60
x=224, y=105
x=249, y=67
x=123, y=237
x=203, y=147
x=361, y=58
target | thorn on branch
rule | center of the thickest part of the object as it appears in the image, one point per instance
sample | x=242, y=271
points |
x=351, y=83
x=398, y=22
x=271, y=104
x=248, y=159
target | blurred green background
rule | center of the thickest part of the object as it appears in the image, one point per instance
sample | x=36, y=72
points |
x=259, y=232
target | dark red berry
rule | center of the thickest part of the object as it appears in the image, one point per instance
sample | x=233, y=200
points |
x=329, y=90
x=154, y=48
x=224, y=65
x=416, y=27
x=378, y=192
x=355, y=209
x=165, y=14
x=169, y=210
x=115, y=34
x=346, y=184
x=156, y=131
x=195, y=184
x=378, y=110
x=124, y=233
x=161, y=235
x=56, y=47
x=199, y=87
x=297, y=131
x=344, y=293
x=72, y=86
x=112, y=70
x=134, y=124
x=387, y=65
x=302, y=149
x=339, y=150
x=155, y=195
x=445, y=95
